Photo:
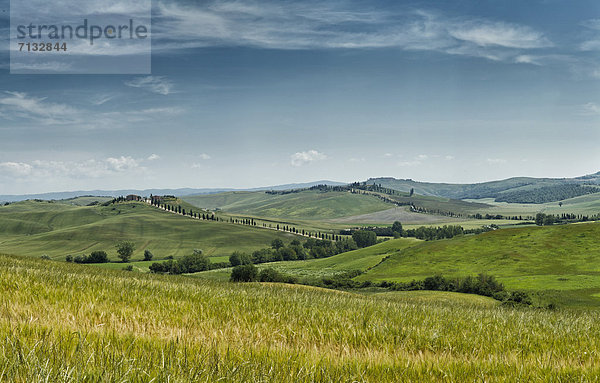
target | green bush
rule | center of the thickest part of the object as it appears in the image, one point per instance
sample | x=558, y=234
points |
x=244, y=273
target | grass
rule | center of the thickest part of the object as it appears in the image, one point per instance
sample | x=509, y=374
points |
x=63, y=322
x=558, y=262
x=308, y=205
x=37, y=228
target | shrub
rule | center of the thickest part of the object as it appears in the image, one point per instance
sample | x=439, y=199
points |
x=97, y=257
x=69, y=258
x=271, y=275
x=128, y=268
x=45, y=257
x=244, y=273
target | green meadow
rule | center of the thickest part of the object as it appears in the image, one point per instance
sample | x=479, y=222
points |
x=72, y=323
x=57, y=230
x=561, y=264
x=305, y=205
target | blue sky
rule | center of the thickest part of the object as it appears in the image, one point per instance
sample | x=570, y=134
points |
x=246, y=94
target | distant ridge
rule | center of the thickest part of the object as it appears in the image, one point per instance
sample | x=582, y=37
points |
x=492, y=189
x=146, y=192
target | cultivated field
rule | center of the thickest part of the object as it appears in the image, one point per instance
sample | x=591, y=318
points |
x=63, y=322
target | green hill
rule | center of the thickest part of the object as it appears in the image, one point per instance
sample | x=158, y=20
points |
x=309, y=205
x=491, y=189
x=559, y=262
x=67, y=323
x=56, y=229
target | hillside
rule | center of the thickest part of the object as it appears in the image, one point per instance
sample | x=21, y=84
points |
x=350, y=261
x=64, y=322
x=560, y=262
x=57, y=229
x=492, y=189
x=311, y=205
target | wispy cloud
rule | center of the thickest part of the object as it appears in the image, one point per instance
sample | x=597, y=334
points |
x=21, y=105
x=153, y=157
x=334, y=25
x=18, y=106
x=496, y=161
x=154, y=84
x=91, y=168
x=590, y=109
x=303, y=158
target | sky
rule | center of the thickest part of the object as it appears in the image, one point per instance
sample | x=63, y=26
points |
x=252, y=93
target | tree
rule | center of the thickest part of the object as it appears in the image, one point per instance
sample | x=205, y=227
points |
x=244, y=273
x=412, y=191
x=364, y=238
x=277, y=244
x=125, y=250
x=239, y=258
x=397, y=228
x=539, y=219
x=148, y=255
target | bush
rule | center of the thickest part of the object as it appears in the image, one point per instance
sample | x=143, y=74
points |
x=194, y=263
x=69, y=258
x=244, y=273
x=271, y=275
x=45, y=257
x=128, y=268
x=97, y=257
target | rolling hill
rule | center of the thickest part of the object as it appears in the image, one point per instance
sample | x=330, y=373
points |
x=58, y=229
x=558, y=262
x=491, y=189
x=308, y=204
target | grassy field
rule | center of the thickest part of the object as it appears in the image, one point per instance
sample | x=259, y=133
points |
x=308, y=205
x=561, y=263
x=63, y=322
x=57, y=230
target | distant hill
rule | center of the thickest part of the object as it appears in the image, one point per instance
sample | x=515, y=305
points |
x=146, y=192
x=59, y=229
x=494, y=189
x=306, y=204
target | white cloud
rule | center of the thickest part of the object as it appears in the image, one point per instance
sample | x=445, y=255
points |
x=496, y=161
x=409, y=164
x=333, y=25
x=486, y=34
x=591, y=109
x=154, y=84
x=303, y=158
x=205, y=157
x=154, y=157
x=16, y=169
x=21, y=105
x=449, y=158
x=90, y=168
